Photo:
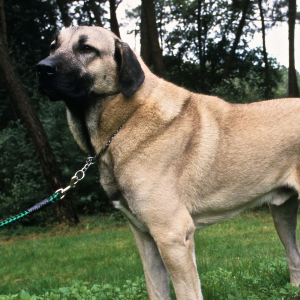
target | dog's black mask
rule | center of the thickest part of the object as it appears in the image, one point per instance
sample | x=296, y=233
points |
x=61, y=79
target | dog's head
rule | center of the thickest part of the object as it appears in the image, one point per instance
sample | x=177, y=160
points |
x=88, y=61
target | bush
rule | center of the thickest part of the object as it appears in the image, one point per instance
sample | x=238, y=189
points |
x=83, y=290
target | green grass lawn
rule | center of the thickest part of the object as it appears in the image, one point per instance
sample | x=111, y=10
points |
x=237, y=259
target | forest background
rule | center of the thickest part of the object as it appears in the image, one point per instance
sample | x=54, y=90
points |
x=202, y=45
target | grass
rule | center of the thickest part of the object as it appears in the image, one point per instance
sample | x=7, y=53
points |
x=238, y=258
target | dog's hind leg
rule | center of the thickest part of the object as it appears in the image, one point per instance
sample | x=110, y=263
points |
x=156, y=274
x=285, y=221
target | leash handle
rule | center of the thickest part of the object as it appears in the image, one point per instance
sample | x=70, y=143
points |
x=52, y=199
x=55, y=197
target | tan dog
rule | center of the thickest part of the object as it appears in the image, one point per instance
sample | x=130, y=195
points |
x=182, y=161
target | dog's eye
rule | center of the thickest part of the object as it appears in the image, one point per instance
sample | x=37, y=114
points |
x=87, y=49
x=52, y=47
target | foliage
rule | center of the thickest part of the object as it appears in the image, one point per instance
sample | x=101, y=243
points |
x=246, y=83
x=83, y=290
x=263, y=280
x=219, y=21
x=21, y=177
x=281, y=91
x=27, y=31
x=81, y=12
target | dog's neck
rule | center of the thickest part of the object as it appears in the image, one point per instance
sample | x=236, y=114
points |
x=83, y=121
x=93, y=123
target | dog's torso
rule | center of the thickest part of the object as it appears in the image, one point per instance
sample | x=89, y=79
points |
x=199, y=151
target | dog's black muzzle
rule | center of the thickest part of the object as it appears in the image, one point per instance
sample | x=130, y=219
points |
x=59, y=79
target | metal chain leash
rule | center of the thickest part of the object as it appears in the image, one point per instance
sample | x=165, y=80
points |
x=80, y=174
x=61, y=193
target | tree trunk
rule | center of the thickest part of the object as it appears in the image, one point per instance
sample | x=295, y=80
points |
x=201, y=54
x=153, y=39
x=3, y=22
x=267, y=77
x=26, y=112
x=236, y=41
x=91, y=23
x=96, y=11
x=63, y=8
x=293, y=85
x=145, y=47
x=114, y=25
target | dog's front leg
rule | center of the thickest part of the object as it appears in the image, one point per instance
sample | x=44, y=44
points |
x=156, y=274
x=173, y=232
x=285, y=221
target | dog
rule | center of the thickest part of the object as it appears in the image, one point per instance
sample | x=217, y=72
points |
x=182, y=161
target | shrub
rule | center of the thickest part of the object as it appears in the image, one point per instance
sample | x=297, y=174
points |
x=84, y=290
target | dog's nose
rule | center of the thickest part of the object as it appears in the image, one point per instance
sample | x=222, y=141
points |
x=46, y=67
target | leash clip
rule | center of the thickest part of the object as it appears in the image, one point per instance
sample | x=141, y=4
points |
x=79, y=175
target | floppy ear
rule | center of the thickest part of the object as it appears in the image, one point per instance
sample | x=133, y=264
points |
x=131, y=75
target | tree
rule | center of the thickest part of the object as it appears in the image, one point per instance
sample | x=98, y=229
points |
x=215, y=25
x=3, y=21
x=114, y=25
x=267, y=76
x=149, y=20
x=145, y=45
x=96, y=11
x=236, y=40
x=293, y=86
x=27, y=113
x=201, y=54
x=63, y=8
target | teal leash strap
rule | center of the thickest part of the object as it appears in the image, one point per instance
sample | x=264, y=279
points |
x=55, y=197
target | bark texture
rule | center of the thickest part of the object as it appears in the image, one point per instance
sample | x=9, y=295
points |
x=293, y=85
x=267, y=76
x=114, y=25
x=148, y=11
x=236, y=40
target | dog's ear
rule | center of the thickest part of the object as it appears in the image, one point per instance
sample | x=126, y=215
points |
x=131, y=75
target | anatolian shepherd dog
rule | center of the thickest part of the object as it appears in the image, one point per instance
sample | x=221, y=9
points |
x=182, y=161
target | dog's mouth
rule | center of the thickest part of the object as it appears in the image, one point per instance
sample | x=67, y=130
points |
x=63, y=88
x=68, y=92
x=51, y=93
x=47, y=90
